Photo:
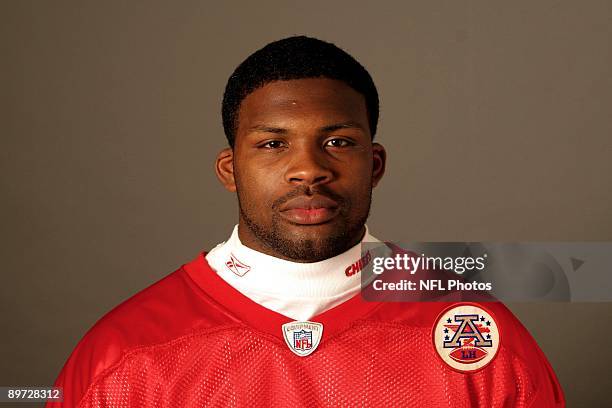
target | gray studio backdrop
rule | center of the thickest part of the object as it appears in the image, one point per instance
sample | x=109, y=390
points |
x=496, y=117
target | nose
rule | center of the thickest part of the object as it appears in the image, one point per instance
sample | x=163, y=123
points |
x=309, y=166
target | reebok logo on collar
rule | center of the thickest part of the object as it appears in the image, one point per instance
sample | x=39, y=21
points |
x=236, y=266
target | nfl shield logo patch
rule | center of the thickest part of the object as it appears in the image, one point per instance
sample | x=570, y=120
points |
x=302, y=340
x=302, y=337
x=466, y=337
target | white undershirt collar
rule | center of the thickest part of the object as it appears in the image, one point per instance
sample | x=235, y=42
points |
x=297, y=290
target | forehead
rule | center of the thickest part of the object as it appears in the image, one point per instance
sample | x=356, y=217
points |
x=315, y=100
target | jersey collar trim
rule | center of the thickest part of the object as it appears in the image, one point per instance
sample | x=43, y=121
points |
x=251, y=313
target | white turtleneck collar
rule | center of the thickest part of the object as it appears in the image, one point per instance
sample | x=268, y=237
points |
x=297, y=290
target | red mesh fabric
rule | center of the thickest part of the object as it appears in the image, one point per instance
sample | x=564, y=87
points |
x=371, y=364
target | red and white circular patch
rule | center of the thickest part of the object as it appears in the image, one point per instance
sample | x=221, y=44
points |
x=466, y=337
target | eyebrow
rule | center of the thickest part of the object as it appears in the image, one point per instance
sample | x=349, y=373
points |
x=342, y=125
x=328, y=128
x=267, y=129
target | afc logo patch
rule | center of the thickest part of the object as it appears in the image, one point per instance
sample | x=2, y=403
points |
x=302, y=337
x=466, y=337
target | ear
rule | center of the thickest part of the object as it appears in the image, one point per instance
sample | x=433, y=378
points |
x=379, y=161
x=224, y=167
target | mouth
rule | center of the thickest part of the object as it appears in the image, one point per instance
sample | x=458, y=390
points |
x=309, y=210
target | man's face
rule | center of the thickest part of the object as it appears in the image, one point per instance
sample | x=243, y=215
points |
x=303, y=166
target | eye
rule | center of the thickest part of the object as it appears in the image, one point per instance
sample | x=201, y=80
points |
x=338, y=143
x=272, y=144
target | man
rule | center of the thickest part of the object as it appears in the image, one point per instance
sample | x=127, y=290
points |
x=273, y=316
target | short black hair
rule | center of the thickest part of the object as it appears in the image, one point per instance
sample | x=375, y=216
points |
x=295, y=58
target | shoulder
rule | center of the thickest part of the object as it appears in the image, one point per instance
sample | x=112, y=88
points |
x=514, y=337
x=168, y=309
x=518, y=343
x=518, y=357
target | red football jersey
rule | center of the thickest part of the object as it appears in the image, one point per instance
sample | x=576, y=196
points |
x=191, y=340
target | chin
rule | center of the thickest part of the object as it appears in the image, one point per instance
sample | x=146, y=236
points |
x=313, y=246
x=315, y=232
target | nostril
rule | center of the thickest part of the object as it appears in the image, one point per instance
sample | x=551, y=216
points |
x=308, y=169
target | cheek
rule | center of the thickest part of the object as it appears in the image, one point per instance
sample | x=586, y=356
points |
x=361, y=199
x=360, y=180
x=257, y=170
x=361, y=189
x=256, y=187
